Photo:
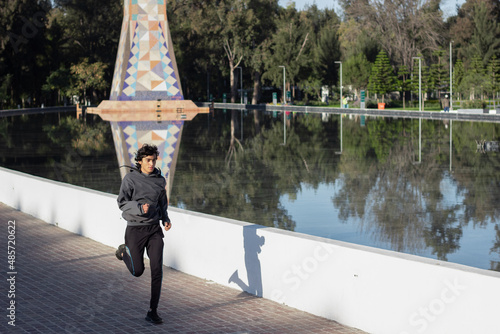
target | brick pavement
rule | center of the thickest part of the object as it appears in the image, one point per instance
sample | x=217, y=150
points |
x=66, y=283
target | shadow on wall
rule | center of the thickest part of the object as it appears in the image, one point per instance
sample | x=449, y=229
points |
x=252, y=244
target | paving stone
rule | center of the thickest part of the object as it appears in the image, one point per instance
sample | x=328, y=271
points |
x=66, y=283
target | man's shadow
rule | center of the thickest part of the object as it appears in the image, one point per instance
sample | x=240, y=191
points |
x=252, y=244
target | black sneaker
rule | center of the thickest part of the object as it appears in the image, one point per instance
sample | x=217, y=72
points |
x=119, y=252
x=153, y=317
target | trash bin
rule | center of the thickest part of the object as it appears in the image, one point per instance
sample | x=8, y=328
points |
x=381, y=105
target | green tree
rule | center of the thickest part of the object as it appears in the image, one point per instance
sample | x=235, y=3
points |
x=486, y=38
x=458, y=76
x=439, y=72
x=4, y=90
x=266, y=13
x=493, y=74
x=325, y=48
x=356, y=71
x=91, y=28
x=382, y=79
x=354, y=39
x=403, y=82
x=476, y=31
x=88, y=77
x=427, y=81
x=85, y=30
x=200, y=59
x=402, y=28
x=474, y=79
x=23, y=61
x=59, y=81
x=318, y=67
x=359, y=52
x=234, y=31
x=290, y=48
x=484, y=31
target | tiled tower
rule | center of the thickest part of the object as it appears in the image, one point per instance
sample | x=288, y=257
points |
x=146, y=102
x=145, y=66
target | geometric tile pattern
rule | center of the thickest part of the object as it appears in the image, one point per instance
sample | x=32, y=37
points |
x=165, y=135
x=145, y=65
x=119, y=148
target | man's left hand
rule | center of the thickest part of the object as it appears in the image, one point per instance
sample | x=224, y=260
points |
x=168, y=226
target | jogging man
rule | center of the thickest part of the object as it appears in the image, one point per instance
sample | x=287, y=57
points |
x=144, y=203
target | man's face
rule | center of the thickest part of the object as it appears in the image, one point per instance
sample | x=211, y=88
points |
x=148, y=164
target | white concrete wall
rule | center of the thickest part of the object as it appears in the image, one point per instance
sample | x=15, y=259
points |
x=374, y=290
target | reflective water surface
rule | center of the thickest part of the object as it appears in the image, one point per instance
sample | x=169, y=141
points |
x=423, y=187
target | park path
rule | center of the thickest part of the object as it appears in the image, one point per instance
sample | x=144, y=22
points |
x=66, y=283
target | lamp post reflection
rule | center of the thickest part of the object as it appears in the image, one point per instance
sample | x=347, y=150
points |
x=419, y=140
x=419, y=83
x=241, y=101
x=340, y=152
x=451, y=134
x=284, y=99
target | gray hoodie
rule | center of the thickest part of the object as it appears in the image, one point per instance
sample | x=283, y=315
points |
x=137, y=189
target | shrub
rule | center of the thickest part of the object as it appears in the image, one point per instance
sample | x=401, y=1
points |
x=474, y=104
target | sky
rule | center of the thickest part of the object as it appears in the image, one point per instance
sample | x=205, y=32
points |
x=448, y=6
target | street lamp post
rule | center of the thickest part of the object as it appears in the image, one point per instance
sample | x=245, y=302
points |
x=451, y=78
x=419, y=108
x=284, y=113
x=284, y=78
x=419, y=83
x=340, y=152
x=451, y=138
x=341, y=104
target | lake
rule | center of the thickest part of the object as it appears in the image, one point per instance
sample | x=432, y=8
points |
x=418, y=186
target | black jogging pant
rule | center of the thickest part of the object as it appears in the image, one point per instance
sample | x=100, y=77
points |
x=149, y=238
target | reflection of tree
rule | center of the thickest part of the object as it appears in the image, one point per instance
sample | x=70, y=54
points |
x=85, y=138
x=388, y=193
x=62, y=148
x=249, y=188
x=232, y=147
x=380, y=186
x=441, y=235
x=82, y=149
x=4, y=133
x=495, y=265
x=478, y=177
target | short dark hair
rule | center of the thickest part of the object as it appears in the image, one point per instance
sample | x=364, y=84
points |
x=144, y=151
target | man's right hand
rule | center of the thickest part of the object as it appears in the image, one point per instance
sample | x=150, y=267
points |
x=145, y=208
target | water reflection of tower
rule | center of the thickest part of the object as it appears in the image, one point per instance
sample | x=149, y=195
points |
x=146, y=102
